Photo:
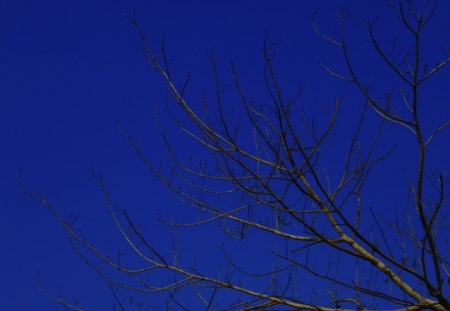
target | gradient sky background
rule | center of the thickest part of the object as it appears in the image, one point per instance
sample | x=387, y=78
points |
x=71, y=69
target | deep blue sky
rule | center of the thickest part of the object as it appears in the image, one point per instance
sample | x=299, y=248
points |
x=71, y=69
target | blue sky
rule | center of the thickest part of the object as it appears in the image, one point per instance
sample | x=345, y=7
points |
x=71, y=70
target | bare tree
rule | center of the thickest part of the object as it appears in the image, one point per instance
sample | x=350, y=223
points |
x=276, y=184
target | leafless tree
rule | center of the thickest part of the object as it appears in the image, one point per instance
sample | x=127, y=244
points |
x=278, y=185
